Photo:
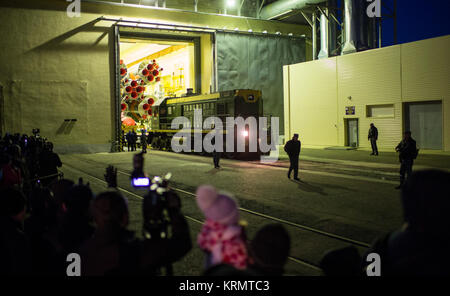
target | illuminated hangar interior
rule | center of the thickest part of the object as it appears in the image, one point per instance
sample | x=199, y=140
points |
x=151, y=70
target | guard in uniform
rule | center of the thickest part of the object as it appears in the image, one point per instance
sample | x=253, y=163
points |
x=407, y=153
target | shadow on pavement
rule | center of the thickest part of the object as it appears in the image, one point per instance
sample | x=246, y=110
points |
x=213, y=171
x=304, y=186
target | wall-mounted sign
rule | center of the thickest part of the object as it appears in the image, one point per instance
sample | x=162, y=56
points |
x=350, y=110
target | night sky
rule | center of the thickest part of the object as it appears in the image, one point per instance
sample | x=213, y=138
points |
x=417, y=20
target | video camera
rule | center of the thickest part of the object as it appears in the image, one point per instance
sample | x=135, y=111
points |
x=36, y=132
x=157, y=205
x=158, y=202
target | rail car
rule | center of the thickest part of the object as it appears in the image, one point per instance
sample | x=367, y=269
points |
x=243, y=103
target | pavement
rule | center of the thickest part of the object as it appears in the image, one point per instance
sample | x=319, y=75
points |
x=386, y=160
x=350, y=195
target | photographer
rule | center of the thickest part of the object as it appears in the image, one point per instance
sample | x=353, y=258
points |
x=49, y=163
x=114, y=250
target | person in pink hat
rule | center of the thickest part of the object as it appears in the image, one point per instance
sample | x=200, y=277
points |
x=221, y=237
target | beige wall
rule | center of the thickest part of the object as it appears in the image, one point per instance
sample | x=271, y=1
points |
x=370, y=78
x=316, y=95
x=426, y=76
x=313, y=106
x=54, y=67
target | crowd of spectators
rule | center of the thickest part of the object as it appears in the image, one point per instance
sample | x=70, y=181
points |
x=44, y=218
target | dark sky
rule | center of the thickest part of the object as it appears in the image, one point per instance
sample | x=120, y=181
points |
x=417, y=20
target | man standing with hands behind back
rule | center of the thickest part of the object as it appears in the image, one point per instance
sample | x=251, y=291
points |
x=292, y=148
x=373, y=137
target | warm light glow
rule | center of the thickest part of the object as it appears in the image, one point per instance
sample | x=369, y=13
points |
x=231, y=3
x=245, y=133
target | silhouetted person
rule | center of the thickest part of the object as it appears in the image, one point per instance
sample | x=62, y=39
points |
x=11, y=175
x=292, y=148
x=216, y=154
x=129, y=138
x=134, y=138
x=342, y=262
x=420, y=246
x=407, y=153
x=373, y=137
x=77, y=222
x=42, y=228
x=114, y=250
x=15, y=251
x=269, y=250
x=144, y=141
x=49, y=162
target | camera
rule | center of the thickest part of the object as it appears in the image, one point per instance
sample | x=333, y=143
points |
x=140, y=182
x=156, y=208
x=36, y=132
x=138, y=178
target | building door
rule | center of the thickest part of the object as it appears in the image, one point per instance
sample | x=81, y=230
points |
x=424, y=120
x=352, y=132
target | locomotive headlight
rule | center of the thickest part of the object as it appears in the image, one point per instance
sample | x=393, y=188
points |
x=245, y=133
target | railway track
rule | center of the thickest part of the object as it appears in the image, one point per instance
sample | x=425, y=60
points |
x=189, y=194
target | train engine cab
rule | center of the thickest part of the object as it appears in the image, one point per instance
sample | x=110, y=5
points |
x=241, y=105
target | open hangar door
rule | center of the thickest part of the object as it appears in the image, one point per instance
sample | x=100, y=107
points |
x=218, y=61
x=152, y=66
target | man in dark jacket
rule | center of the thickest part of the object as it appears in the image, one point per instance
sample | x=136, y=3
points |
x=114, y=250
x=134, y=138
x=373, y=137
x=15, y=252
x=420, y=246
x=49, y=162
x=292, y=148
x=408, y=152
x=144, y=141
x=129, y=138
x=216, y=154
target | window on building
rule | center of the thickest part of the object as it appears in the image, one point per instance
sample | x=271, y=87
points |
x=380, y=111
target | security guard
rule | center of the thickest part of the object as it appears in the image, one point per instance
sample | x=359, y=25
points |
x=408, y=152
x=373, y=137
x=292, y=148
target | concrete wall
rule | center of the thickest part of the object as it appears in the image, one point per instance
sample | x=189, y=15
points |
x=370, y=78
x=54, y=67
x=426, y=76
x=317, y=92
x=313, y=109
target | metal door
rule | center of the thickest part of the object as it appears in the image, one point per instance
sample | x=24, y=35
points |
x=424, y=120
x=352, y=132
